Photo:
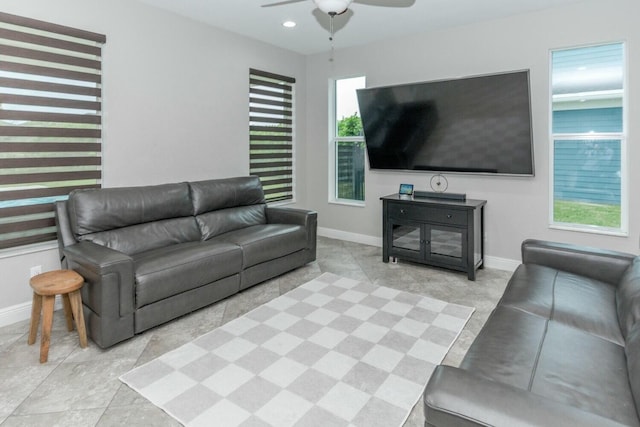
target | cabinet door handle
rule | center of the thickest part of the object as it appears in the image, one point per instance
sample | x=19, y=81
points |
x=449, y=216
x=401, y=211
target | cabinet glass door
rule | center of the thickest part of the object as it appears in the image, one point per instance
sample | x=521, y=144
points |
x=447, y=245
x=406, y=237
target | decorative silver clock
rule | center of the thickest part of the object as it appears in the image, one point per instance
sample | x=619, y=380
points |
x=439, y=183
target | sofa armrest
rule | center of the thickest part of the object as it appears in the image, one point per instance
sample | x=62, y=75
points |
x=600, y=264
x=455, y=397
x=109, y=278
x=306, y=218
x=63, y=229
x=280, y=215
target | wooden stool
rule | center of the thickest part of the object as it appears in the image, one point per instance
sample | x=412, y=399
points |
x=45, y=288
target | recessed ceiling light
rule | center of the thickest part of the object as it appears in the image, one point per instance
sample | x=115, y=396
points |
x=288, y=24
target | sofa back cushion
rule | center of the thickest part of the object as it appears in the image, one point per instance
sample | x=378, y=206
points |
x=221, y=221
x=133, y=219
x=216, y=194
x=628, y=298
x=223, y=205
x=145, y=237
x=632, y=349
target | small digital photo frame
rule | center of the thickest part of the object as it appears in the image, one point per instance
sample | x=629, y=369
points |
x=406, y=190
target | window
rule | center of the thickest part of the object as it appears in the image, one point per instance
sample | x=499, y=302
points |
x=271, y=133
x=588, y=134
x=347, y=142
x=50, y=123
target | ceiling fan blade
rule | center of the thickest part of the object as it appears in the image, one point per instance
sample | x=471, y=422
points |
x=387, y=3
x=281, y=3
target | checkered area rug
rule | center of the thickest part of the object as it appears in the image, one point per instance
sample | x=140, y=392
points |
x=332, y=352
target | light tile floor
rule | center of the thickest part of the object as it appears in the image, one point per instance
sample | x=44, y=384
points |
x=80, y=387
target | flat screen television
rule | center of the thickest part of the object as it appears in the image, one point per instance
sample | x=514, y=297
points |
x=478, y=124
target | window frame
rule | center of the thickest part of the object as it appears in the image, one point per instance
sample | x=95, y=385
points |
x=334, y=139
x=51, y=138
x=623, y=231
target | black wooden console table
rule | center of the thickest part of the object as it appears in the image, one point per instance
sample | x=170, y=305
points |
x=439, y=232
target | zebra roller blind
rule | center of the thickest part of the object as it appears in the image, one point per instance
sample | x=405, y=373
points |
x=271, y=116
x=50, y=123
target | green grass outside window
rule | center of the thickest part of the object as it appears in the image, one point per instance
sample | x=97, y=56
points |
x=600, y=215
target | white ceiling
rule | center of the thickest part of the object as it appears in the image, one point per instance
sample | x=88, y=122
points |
x=362, y=24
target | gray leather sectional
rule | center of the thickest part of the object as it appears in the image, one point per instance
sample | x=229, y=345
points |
x=151, y=254
x=562, y=347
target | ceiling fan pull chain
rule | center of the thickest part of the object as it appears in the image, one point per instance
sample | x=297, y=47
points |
x=331, y=16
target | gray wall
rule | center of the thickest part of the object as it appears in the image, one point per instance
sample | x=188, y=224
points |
x=175, y=106
x=517, y=208
x=187, y=85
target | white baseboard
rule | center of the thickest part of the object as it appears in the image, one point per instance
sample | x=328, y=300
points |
x=20, y=312
x=489, y=261
x=350, y=237
x=501, y=263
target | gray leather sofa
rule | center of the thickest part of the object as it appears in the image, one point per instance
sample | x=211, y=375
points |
x=562, y=347
x=151, y=254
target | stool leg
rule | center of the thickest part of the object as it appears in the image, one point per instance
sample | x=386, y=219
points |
x=67, y=311
x=36, y=308
x=47, y=320
x=76, y=304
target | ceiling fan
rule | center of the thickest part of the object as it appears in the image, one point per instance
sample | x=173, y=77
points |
x=334, y=8
x=338, y=7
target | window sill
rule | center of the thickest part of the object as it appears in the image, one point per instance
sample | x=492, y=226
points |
x=28, y=249
x=589, y=229
x=344, y=202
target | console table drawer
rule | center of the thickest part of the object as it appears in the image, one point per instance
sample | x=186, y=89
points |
x=426, y=213
x=449, y=216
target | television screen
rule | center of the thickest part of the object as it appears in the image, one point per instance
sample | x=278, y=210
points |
x=476, y=124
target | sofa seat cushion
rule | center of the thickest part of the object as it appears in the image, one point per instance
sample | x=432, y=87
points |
x=266, y=242
x=586, y=372
x=585, y=304
x=168, y=271
x=506, y=348
x=554, y=360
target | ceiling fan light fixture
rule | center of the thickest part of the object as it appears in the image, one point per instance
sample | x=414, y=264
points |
x=333, y=6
